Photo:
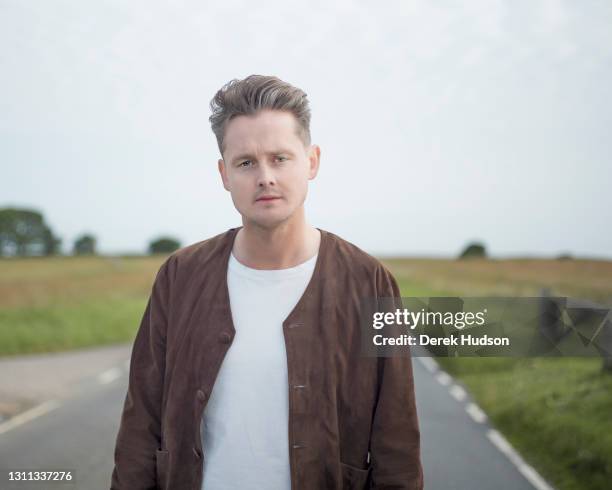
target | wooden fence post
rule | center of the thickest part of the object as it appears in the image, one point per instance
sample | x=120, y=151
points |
x=553, y=329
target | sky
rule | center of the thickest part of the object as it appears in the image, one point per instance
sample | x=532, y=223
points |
x=439, y=123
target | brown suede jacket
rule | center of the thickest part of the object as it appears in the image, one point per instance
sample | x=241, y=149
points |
x=352, y=425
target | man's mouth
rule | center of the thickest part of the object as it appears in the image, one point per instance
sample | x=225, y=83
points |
x=268, y=198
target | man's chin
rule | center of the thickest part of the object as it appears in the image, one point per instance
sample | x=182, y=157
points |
x=266, y=222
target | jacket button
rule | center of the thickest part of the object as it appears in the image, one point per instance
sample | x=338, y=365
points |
x=225, y=338
x=296, y=324
x=201, y=395
x=196, y=452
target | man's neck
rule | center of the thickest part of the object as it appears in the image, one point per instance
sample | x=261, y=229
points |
x=278, y=248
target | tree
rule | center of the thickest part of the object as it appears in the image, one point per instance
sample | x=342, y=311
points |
x=51, y=244
x=163, y=245
x=474, y=249
x=85, y=245
x=24, y=232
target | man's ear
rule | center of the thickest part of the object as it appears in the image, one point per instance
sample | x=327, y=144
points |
x=314, y=157
x=222, y=171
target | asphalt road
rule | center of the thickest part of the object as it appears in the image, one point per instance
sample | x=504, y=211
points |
x=77, y=435
x=77, y=432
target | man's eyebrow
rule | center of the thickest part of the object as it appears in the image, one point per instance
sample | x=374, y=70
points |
x=245, y=156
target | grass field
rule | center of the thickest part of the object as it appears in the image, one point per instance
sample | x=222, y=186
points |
x=64, y=303
x=556, y=412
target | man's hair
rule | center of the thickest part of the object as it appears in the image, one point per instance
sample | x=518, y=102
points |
x=253, y=94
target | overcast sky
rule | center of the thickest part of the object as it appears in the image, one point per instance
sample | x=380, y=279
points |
x=439, y=122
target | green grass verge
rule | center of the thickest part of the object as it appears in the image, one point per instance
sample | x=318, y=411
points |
x=59, y=327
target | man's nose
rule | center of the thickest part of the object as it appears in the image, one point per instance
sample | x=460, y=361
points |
x=265, y=176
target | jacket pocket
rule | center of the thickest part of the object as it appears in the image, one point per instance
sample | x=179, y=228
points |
x=161, y=468
x=354, y=478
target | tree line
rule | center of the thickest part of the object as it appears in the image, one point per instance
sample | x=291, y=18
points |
x=23, y=233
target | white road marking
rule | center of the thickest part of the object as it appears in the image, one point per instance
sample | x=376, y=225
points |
x=457, y=392
x=527, y=471
x=443, y=378
x=109, y=376
x=28, y=415
x=534, y=477
x=476, y=413
x=430, y=364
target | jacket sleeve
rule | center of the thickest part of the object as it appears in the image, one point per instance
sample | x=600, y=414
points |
x=139, y=434
x=395, y=453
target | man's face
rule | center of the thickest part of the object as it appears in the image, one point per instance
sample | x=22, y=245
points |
x=263, y=157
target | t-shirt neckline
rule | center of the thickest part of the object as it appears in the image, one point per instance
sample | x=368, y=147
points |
x=298, y=269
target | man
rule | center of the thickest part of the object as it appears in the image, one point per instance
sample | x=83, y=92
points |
x=247, y=370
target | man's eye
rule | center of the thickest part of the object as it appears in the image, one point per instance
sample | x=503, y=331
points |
x=242, y=164
x=282, y=159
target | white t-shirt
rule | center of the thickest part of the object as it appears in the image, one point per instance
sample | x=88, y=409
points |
x=245, y=437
